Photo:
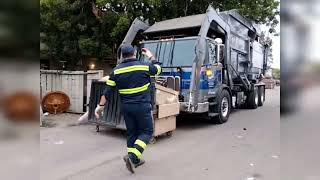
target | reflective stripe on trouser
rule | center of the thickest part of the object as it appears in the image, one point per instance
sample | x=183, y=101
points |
x=139, y=126
x=137, y=150
x=140, y=144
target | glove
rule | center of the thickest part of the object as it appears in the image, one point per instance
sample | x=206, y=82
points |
x=98, y=111
x=147, y=53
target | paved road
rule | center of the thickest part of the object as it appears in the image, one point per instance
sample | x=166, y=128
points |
x=300, y=143
x=247, y=146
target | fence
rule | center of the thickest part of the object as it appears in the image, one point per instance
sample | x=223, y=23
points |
x=76, y=84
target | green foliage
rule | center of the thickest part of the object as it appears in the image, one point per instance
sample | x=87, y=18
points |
x=316, y=67
x=77, y=29
x=121, y=26
x=88, y=46
x=19, y=32
x=276, y=73
x=72, y=32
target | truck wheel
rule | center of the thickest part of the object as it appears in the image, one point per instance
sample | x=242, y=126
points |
x=261, y=96
x=153, y=140
x=223, y=108
x=169, y=134
x=253, y=99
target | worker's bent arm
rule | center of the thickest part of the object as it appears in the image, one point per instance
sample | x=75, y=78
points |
x=154, y=68
x=111, y=84
x=103, y=100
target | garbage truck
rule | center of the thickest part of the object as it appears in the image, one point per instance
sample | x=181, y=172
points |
x=215, y=61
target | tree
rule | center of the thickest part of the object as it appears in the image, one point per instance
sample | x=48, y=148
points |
x=75, y=30
x=19, y=32
x=276, y=73
x=316, y=67
x=72, y=32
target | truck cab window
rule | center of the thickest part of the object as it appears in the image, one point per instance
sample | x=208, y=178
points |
x=174, y=53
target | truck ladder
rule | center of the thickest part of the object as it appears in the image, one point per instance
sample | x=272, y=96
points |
x=243, y=78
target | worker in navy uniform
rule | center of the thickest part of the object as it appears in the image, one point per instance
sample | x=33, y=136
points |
x=132, y=79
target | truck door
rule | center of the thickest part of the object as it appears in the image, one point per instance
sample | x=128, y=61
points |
x=213, y=68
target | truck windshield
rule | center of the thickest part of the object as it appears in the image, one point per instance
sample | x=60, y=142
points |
x=173, y=53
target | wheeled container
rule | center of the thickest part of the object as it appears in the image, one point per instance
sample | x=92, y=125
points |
x=165, y=109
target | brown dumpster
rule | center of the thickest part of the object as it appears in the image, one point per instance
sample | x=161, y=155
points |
x=166, y=110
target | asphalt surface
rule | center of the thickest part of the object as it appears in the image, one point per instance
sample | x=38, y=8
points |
x=247, y=147
x=300, y=145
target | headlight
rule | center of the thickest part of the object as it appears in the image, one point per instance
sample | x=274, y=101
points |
x=209, y=72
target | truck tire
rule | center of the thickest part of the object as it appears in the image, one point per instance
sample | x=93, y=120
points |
x=253, y=99
x=223, y=108
x=262, y=95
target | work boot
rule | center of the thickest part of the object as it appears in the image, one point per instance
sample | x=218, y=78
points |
x=140, y=163
x=129, y=164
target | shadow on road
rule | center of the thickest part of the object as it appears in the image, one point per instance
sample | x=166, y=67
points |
x=184, y=123
x=193, y=122
x=111, y=132
x=201, y=121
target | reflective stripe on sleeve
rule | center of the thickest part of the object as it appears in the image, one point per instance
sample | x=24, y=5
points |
x=158, y=69
x=111, y=83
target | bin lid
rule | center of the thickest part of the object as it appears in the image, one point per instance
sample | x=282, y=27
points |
x=56, y=102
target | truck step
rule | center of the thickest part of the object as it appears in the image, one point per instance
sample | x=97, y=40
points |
x=212, y=103
x=245, y=81
x=213, y=114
